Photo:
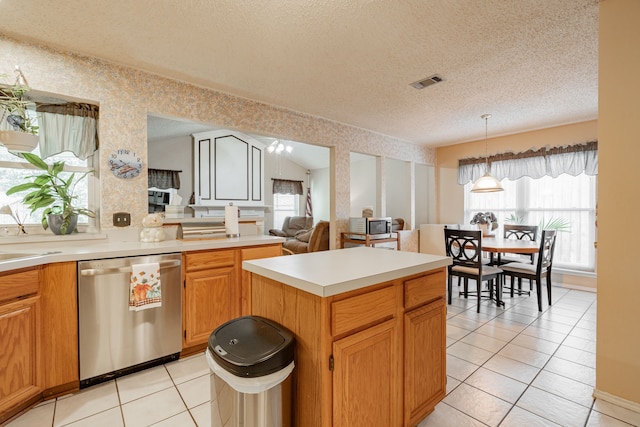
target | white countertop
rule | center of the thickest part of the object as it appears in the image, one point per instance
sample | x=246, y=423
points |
x=61, y=250
x=333, y=272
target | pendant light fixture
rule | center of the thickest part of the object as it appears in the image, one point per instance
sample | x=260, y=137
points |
x=487, y=183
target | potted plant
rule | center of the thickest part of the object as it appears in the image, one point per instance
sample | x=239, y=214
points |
x=14, y=104
x=54, y=193
x=486, y=221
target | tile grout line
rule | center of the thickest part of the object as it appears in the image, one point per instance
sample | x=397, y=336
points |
x=528, y=385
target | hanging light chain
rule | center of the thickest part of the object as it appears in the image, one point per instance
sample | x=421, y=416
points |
x=486, y=118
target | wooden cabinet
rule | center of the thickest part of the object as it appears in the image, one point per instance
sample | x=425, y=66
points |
x=424, y=345
x=371, y=357
x=216, y=290
x=246, y=254
x=60, y=336
x=211, y=293
x=367, y=368
x=424, y=359
x=366, y=390
x=21, y=356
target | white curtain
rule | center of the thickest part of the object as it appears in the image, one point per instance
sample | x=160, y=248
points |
x=572, y=160
x=68, y=127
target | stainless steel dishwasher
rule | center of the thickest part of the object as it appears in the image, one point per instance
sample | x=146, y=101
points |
x=115, y=341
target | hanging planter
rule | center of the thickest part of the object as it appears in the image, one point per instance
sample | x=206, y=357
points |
x=18, y=141
x=13, y=105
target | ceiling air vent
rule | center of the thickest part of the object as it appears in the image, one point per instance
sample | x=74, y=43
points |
x=431, y=80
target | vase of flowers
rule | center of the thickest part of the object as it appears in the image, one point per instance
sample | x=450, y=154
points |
x=486, y=221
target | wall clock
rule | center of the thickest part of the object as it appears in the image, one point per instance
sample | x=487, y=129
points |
x=125, y=164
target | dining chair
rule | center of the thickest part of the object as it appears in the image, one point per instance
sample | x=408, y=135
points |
x=541, y=269
x=519, y=232
x=465, y=249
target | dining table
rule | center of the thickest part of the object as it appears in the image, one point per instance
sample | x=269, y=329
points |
x=497, y=245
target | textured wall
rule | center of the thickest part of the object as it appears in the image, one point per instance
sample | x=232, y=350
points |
x=126, y=96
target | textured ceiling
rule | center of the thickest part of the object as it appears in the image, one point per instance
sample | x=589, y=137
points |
x=531, y=63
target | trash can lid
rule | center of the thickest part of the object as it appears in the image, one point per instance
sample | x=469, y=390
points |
x=252, y=346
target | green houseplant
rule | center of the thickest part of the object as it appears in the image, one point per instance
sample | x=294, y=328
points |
x=13, y=106
x=54, y=193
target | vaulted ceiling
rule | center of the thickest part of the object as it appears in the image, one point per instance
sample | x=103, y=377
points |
x=531, y=63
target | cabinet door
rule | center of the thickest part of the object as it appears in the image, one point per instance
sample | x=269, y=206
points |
x=249, y=254
x=211, y=298
x=367, y=382
x=58, y=302
x=20, y=376
x=425, y=357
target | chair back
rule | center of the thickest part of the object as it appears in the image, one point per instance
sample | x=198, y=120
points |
x=464, y=247
x=547, y=247
x=521, y=232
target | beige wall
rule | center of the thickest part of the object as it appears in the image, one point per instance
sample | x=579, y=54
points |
x=618, y=331
x=126, y=96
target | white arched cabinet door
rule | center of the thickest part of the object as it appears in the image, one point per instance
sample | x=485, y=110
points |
x=228, y=167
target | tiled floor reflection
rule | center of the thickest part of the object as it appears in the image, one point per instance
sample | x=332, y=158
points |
x=505, y=367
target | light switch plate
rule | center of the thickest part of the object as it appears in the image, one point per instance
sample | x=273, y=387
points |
x=121, y=219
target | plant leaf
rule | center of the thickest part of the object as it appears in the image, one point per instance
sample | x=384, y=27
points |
x=35, y=161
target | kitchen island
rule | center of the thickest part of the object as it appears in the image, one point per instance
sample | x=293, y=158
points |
x=370, y=332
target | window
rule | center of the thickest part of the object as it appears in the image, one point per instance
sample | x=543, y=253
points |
x=537, y=202
x=14, y=170
x=284, y=205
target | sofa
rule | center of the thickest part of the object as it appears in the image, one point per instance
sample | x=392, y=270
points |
x=313, y=240
x=293, y=225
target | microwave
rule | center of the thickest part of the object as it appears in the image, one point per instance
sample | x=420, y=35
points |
x=376, y=228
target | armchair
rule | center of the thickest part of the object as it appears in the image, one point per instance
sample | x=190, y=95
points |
x=293, y=225
x=316, y=239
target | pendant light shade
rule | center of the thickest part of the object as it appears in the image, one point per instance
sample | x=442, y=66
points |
x=486, y=183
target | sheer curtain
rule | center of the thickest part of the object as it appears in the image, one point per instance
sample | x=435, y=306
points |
x=553, y=162
x=68, y=127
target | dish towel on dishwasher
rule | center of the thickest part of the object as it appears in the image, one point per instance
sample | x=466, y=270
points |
x=144, y=287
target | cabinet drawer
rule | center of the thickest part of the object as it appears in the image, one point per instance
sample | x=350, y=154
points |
x=21, y=284
x=423, y=289
x=352, y=313
x=261, y=252
x=209, y=259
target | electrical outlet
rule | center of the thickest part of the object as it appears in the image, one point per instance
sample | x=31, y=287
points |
x=121, y=219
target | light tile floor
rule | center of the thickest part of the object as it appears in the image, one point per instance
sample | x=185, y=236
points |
x=505, y=367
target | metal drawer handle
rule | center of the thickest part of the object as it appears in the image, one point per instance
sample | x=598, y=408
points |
x=126, y=269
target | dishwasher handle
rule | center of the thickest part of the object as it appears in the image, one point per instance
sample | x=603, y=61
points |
x=125, y=269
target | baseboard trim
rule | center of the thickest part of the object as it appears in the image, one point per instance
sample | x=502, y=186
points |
x=576, y=287
x=608, y=397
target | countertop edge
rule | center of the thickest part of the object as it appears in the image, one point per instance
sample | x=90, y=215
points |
x=340, y=285
x=52, y=252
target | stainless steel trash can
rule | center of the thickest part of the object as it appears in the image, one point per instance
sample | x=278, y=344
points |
x=251, y=361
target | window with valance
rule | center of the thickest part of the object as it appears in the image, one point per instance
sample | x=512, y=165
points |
x=572, y=160
x=163, y=179
x=68, y=127
x=287, y=186
x=542, y=187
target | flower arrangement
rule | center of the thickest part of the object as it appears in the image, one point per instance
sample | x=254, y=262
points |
x=485, y=218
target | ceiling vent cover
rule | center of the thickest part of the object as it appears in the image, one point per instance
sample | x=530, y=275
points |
x=431, y=80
